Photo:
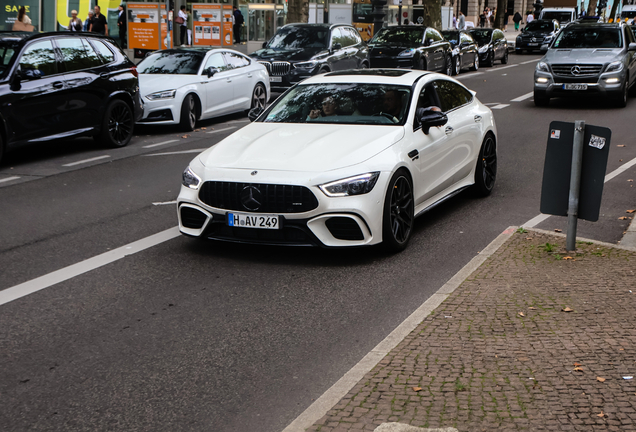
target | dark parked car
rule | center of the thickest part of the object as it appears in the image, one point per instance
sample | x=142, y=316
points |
x=536, y=34
x=298, y=51
x=464, y=51
x=413, y=47
x=492, y=45
x=61, y=85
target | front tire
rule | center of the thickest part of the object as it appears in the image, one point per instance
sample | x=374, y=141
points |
x=188, y=118
x=504, y=60
x=259, y=97
x=458, y=65
x=117, y=125
x=449, y=66
x=475, y=63
x=490, y=59
x=486, y=171
x=398, y=215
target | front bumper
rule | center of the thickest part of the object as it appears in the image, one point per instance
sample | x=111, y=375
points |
x=379, y=62
x=280, y=83
x=606, y=84
x=161, y=111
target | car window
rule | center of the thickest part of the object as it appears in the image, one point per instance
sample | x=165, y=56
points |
x=171, y=62
x=466, y=38
x=76, y=55
x=41, y=56
x=433, y=34
x=299, y=37
x=452, y=36
x=589, y=37
x=451, y=95
x=481, y=36
x=355, y=36
x=236, y=60
x=337, y=37
x=347, y=36
x=401, y=35
x=426, y=99
x=216, y=60
x=105, y=53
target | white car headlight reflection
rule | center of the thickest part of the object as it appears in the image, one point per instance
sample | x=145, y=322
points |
x=357, y=185
x=190, y=179
x=166, y=94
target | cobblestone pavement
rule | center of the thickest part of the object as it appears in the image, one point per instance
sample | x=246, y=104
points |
x=504, y=351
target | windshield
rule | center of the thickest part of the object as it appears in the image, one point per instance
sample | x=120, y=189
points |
x=481, y=36
x=593, y=37
x=561, y=17
x=400, y=36
x=299, y=37
x=451, y=36
x=539, y=26
x=628, y=14
x=370, y=104
x=171, y=62
x=362, y=12
x=6, y=54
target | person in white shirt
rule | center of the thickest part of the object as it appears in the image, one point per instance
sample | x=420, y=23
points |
x=183, y=25
x=530, y=18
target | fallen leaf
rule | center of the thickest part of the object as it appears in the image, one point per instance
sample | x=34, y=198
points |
x=204, y=128
x=196, y=130
x=528, y=238
x=416, y=389
x=599, y=379
x=184, y=136
x=522, y=314
x=567, y=309
x=602, y=414
x=578, y=369
x=577, y=364
x=621, y=349
x=630, y=180
x=558, y=230
x=623, y=218
x=532, y=308
x=620, y=145
x=630, y=211
x=567, y=258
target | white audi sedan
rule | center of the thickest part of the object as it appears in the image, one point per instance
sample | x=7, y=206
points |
x=343, y=159
x=183, y=85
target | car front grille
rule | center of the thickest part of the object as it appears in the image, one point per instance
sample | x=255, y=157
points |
x=576, y=70
x=257, y=197
x=277, y=68
x=529, y=39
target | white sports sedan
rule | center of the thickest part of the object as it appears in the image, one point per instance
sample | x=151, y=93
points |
x=183, y=85
x=343, y=159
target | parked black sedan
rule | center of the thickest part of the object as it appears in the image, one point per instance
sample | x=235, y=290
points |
x=535, y=34
x=413, y=47
x=492, y=45
x=464, y=52
x=298, y=51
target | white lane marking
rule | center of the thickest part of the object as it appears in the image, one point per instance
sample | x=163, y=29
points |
x=501, y=68
x=500, y=106
x=222, y=130
x=176, y=152
x=523, y=97
x=160, y=144
x=540, y=218
x=86, y=161
x=469, y=75
x=530, y=61
x=48, y=280
x=337, y=391
x=8, y=179
x=164, y=203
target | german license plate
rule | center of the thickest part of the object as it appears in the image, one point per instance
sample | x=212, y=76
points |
x=242, y=220
x=533, y=44
x=275, y=79
x=574, y=86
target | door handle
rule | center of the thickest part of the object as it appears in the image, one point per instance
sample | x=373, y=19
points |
x=477, y=118
x=229, y=80
x=449, y=130
x=414, y=154
x=249, y=75
x=58, y=84
x=104, y=75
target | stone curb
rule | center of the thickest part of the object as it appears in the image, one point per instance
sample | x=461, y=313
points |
x=401, y=427
x=629, y=239
x=629, y=247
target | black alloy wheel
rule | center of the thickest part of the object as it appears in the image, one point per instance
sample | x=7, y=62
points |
x=504, y=60
x=323, y=70
x=259, y=96
x=486, y=171
x=117, y=125
x=188, y=114
x=449, y=65
x=458, y=65
x=475, y=63
x=398, y=218
x=364, y=65
x=490, y=59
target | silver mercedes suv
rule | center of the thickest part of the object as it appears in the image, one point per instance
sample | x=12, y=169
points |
x=588, y=58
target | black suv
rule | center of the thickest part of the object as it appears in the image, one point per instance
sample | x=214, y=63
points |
x=61, y=85
x=298, y=51
x=492, y=45
x=536, y=34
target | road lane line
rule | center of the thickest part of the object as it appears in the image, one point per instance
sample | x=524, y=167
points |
x=500, y=106
x=501, y=68
x=222, y=130
x=339, y=390
x=540, y=218
x=177, y=152
x=48, y=280
x=86, y=161
x=164, y=203
x=8, y=179
x=522, y=98
x=160, y=144
x=530, y=61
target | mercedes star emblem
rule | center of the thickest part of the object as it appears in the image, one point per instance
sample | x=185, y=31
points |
x=251, y=198
x=576, y=70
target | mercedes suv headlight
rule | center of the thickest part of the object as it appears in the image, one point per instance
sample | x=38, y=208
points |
x=190, y=179
x=407, y=53
x=616, y=66
x=308, y=65
x=166, y=94
x=358, y=185
x=543, y=67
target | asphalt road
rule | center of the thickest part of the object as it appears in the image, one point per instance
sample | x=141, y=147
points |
x=192, y=335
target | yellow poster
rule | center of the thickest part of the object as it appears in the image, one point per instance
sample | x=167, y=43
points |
x=64, y=12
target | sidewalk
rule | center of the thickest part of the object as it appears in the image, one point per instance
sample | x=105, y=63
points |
x=535, y=339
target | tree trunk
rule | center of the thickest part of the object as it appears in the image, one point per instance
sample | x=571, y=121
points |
x=432, y=13
x=297, y=11
x=502, y=6
x=591, y=9
x=614, y=8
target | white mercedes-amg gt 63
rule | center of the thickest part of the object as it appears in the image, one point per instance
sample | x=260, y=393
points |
x=346, y=158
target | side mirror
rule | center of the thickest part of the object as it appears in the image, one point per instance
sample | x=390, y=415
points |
x=264, y=44
x=211, y=71
x=429, y=41
x=254, y=113
x=29, y=74
x=336, y=47
x=429, y=118
x=632, y=46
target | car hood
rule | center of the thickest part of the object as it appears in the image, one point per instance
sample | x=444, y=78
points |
x=150, y=83
x=387, y=49
x=300, y=147
x=287, y=54
x=595, y=55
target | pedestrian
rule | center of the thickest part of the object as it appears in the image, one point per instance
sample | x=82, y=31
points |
x=182, y=20
x=488, y=17
x=238, y=25
x=482, y=19
x=517, y=19
x=506, y=18
x=121, y=25
x=23, y=17
x=190, y=25
x=454, y=21
x=529, y=18
x=99, y=24
x=461, y=24
x=75, y=24
x=89, y=19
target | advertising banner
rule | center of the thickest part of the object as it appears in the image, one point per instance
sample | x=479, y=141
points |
x=206, y=20
x=228, y=38
x=143, y=26
x=9, y=13
x=64, y=8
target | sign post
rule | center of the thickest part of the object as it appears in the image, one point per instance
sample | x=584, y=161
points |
x=144, y=28
x=575, y=184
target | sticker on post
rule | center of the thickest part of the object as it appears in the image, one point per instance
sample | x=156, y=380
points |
x=555, y=134
x=597, y=141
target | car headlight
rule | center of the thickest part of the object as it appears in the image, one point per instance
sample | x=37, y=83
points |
x=543, y=67
x=306, y=65
x=190, y=179
x=616, y=66
x=358, y=185
x=483, y=49
x=407, y=53
x=548, y=39
x=166, y=94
